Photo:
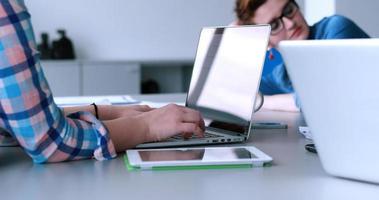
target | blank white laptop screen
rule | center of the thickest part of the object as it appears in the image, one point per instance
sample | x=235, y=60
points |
x=337, y=82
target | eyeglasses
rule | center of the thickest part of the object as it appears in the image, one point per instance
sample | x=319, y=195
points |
x=289, y=11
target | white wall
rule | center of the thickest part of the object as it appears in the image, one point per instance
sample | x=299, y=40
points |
x=301, y=4
x=162, y=29
x=364, y=13
x=315, y=10
x=130, y=29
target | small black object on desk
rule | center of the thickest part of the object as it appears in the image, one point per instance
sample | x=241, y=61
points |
x=311, y=148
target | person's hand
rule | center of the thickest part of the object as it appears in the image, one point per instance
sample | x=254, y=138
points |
x=171, y=120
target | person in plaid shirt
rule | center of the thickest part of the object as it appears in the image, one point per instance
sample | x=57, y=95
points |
x=29, y=116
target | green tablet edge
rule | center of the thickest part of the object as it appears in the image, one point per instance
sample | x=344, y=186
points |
x=129, y=167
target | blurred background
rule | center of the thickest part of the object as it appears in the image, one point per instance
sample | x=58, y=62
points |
x=135, y=46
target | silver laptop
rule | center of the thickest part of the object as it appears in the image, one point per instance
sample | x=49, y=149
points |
x=338, y=85
x=224, y=83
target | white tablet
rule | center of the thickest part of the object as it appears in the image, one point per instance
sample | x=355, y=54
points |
x=204, y=156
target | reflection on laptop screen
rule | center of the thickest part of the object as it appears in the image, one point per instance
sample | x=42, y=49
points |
x=226, y=75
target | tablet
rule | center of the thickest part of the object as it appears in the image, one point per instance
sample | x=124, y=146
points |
x=203, y=156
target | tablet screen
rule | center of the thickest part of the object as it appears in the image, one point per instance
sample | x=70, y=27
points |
x=221, y=154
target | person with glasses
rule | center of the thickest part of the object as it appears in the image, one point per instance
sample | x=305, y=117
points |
x=288, y=23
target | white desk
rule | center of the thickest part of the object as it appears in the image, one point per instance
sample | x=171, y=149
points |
x=295, y=174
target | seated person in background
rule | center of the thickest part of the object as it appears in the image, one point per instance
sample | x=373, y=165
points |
x=47, y=133
x=288, y=23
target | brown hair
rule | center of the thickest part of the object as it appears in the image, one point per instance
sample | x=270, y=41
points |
x=245, y=9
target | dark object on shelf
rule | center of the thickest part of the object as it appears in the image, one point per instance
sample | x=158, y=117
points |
x=63, y=47
x=44, y=47
x=150, y=86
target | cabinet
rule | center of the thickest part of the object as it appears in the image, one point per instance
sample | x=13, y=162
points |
x=111, y=78
x=172, y=77
x=76, y=78
x=92, y=78
x=64, y=77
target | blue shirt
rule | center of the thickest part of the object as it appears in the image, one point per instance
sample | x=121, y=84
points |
x=275, y=79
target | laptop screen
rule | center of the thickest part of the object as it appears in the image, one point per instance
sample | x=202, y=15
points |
x=226, y=75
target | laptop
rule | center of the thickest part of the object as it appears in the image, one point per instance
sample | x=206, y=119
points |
x=224, y=83
x=337, y=84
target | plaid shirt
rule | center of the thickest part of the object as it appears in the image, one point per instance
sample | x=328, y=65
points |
x=28, y=113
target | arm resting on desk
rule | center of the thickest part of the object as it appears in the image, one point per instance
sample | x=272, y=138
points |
x=280, y=102
x=27, y=109
x=108, y=112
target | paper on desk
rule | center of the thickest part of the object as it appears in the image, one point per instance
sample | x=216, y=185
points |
x=159, y=104
x=100, y=100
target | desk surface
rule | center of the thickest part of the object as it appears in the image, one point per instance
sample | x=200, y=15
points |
x=295, y=174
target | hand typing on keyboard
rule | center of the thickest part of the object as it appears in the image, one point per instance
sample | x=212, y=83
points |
x=173, y=119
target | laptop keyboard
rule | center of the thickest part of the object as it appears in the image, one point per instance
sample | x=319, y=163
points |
x=210, y=133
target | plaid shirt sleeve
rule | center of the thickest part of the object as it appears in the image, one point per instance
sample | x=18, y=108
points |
x=27, y=110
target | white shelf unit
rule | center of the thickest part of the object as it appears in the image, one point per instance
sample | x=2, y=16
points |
x=92, y=78
x=76, y=78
